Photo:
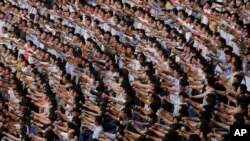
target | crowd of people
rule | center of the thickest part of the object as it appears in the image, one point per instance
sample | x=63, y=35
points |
x=125, y=70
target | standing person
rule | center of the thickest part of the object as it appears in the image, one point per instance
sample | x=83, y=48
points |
x=97, y=128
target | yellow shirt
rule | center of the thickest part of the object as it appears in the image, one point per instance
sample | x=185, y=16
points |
x=19, y=65
x=213, y=26
x=169, y=5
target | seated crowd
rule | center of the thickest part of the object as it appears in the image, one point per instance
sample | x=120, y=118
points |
x=125, y=70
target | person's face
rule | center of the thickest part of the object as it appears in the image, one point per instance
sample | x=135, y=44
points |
x=70, y=50
x=188, y=49
x=1, y=106
x=25, y=11
x=38, y=32
x=4, y=30
x=106, y=36
x=73, y=15
x=228, y=58
x=4, y=50
x=43, y=36
x=52, y=61
x=176, y=74
x=10, y=17
x=193, y=61
x=8, y=52
x=248, y=5
x=113, y=39
x=46, y=56
x=123, y=115
x=238, y=2
x=1, y=118
x=75, y=38
x=122, y=22
x=106, y=15
x=33, y=48
x=233, y=18
x=125, y=95
x=129, y=50
x=7, y=5
x=102, y=14
x=88, y=22
x=67, y=14
x=96, y=10
x=116, y=20
x=248, y=109
x=1, y=69
x=70, y=134
x=98, y=32
x=111, y=68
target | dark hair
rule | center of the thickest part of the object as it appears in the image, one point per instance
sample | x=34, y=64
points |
x=194, y=137
x=49, y=135
x=23, y=119
x=128, y=112
x=183, y=94
x=183, y=110
x=172, y=135
x=239, y=119
x=204, y=128
x=98, y=119
x=211, y=81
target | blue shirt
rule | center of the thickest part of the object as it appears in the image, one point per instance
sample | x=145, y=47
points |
x=227, y=70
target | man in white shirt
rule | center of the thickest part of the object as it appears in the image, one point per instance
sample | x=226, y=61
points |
x=4, y=33
x=97, y=127
x=2, y=23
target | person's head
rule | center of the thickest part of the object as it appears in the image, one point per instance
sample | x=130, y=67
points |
x=183, y=84
x=116, y=19
x=228, y=56
x=210, y=81
x=177, y=73
x=4, y=30
x=23, y=131
x=239, y=3
x=183, y=111
x=76, y=112
x=172, y=135
x=23, y=121
x=107, y=35
x=98, y=120
x=238, y=78
x=182, y=96
x=204, y=129
x=242, y=89
x=126, y=114
x=88, y=22
x=162, y=3
x=239, y=119
x=208, y=5
x=71, y=134
x=1, y=15
x=193, y=60
x=194, y=137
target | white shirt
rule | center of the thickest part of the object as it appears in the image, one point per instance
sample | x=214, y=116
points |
x=246, y=81
x=65, y=136
x=5, y=35
x=97, y=131
x=2, y=24
x=208, y=91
